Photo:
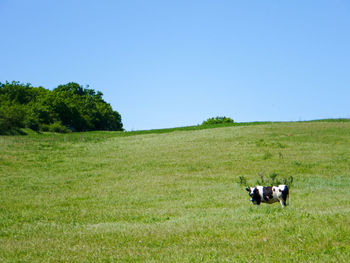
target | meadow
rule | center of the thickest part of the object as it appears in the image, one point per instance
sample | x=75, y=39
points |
x=175, y=195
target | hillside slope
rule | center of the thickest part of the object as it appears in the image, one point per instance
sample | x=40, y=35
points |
x=175, y=197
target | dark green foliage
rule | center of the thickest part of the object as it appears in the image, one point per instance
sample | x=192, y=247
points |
x=273, y=180
x=267, y=155
x=55, y=127
x=68, y=107
x=261, y=181
x=217, y=120
x=32, y=123
x=242, y=180
x=11, y=116
x=58, y=127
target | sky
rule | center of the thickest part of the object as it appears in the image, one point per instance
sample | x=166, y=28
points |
x=173, y=63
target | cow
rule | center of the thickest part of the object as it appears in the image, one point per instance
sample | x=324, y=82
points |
x=269, y=194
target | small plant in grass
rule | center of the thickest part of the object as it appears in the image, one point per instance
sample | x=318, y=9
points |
x=242, y=180
x=260, y=143
x=273, y=177
x=261, y=181
x=279, y=145
x=289, y=181
x=296, y=163
x=280, y=156
x=273, y=180
x=267, y=155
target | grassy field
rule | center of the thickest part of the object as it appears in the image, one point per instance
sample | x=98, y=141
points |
x=175, y=196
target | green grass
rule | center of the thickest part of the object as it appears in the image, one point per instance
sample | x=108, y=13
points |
x=174, y=196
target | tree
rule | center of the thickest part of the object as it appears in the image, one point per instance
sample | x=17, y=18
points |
x=68, y=106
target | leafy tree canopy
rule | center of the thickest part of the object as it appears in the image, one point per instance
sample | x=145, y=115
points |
x=68, y=107
x=217, y=120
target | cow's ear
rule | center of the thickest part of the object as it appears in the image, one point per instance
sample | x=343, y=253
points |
x=248, y=189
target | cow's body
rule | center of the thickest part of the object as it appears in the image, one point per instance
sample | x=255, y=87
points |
x=269, y=194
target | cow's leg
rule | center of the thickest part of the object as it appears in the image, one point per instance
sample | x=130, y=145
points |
x=285, y=200
x=283, y=203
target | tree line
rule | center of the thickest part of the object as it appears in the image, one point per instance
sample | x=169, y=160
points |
x=68, y=107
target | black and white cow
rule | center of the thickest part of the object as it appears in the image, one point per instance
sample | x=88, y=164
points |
x=269, y=194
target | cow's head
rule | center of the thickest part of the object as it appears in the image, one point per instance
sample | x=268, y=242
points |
x=254, y=195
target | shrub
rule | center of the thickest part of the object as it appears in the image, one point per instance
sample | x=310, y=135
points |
x=242, y=180
x=54, y=127
x=32, y=122
x=58, y=127
x=11, y=117
x=273, y=180
x=217, y=120
x=267, y=155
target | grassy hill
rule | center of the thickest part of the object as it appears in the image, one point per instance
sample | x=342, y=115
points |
x=174, y=196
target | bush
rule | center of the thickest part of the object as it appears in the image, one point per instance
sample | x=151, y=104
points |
x=242, y=181
x=11, y=117
x=58, y=127
x=273, y=180
x=54, y=127
x=217, y=120
x=32, y=123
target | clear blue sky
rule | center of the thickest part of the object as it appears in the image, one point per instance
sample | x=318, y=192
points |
x=176, y=63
